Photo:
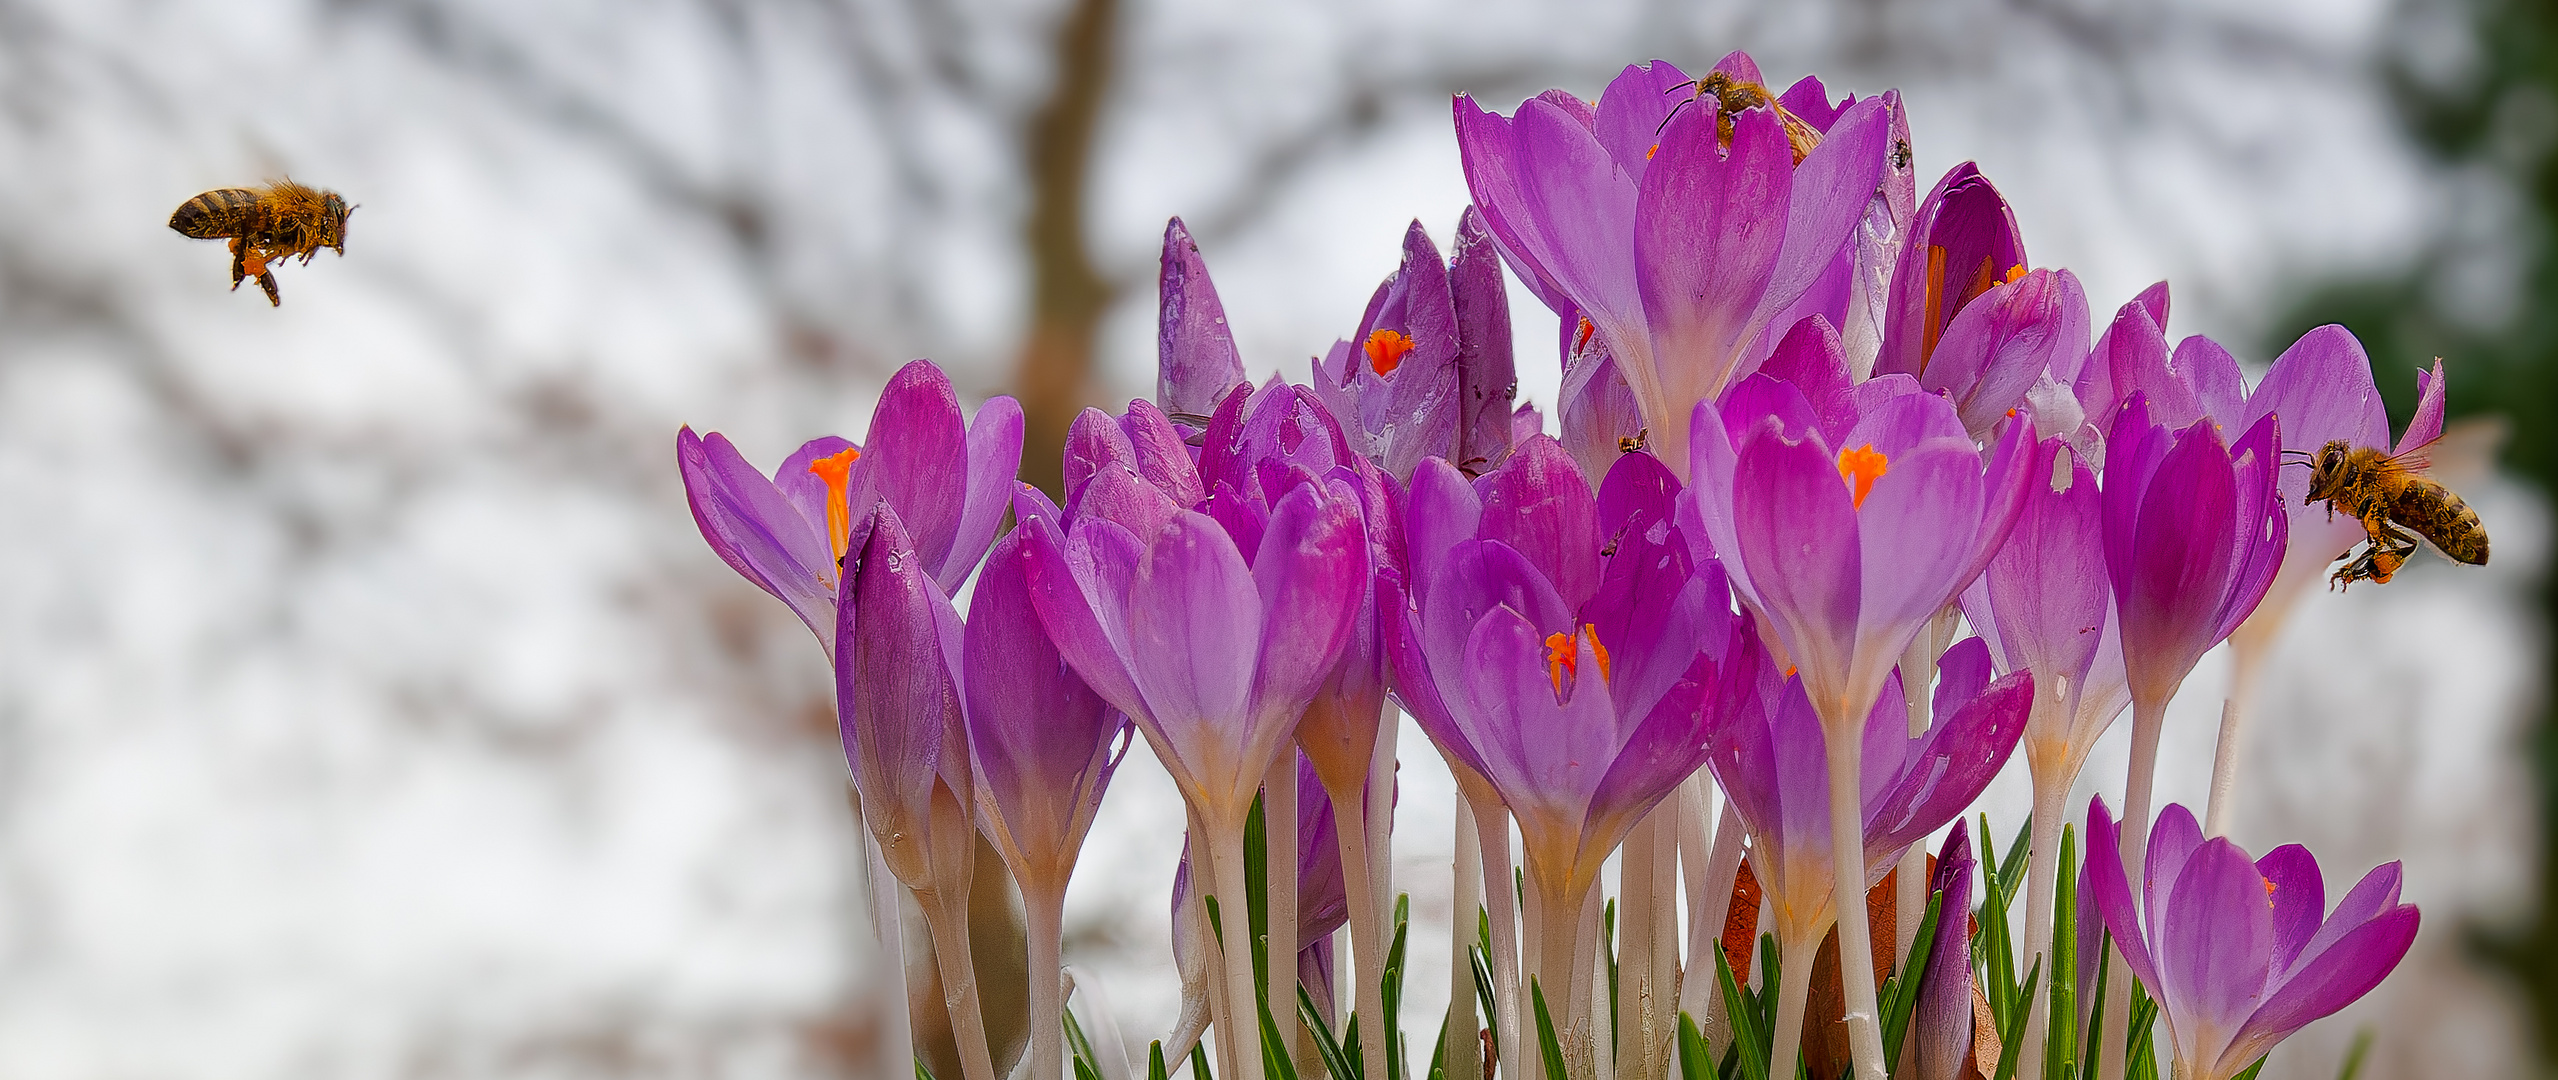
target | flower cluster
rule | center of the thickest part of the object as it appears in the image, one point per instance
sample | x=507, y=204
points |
x=1844, y=507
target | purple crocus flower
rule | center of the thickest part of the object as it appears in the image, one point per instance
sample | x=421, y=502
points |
x=1784, y=471
x=1964, y=244
x=897, y=700
x=1043, y=747
x=1560, y=651
x=948, y=480
x=1683, y=242
x=1943, y=1026
x=2198, y=378
x=1214, y=657
x=1430, y=370
x=2241, y=953
x=1844, y=588
x=1998, y=352
x=2045, y=604
x=1196, y=360
x=1769, y=752
x=2194, y=531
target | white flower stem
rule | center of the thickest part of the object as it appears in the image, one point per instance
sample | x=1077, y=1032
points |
x=1501, y=908
x=1279, y=825
x=1634, y=947
x=946, y=915
x=1464, y=1053
x=2148, y=718
x=1367, y=929
x=1702, y=994
x=1793, y=996
x=2247, y=662
x=2042, y=872
x=1044, y=912
x=1239, y=1033
x=1847, y=877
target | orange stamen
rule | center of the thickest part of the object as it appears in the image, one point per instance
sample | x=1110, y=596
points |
x=1933, y=325
x=1386, y=349
x=1560, y=657
x=2015, y=272
x=1581, y=336
x=1563, y=655
x=836, y=470
x=1861, y=467
x=1648, y=151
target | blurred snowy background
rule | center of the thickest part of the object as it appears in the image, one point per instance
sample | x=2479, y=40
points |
x=369, y=707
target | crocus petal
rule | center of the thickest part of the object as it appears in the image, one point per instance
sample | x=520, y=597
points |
x=2427, y=425
x=1943, y=1026
x=1661, y=752
x=2375, y=894
x=1581, y=209
x=1948, y=769
x=1079, y=589
x=1633, y=108
x=893, y=688
x=2104, y=881
x=1193, y=619
x=1195, y=351
x=1310, y=574
x=2299, y=899
x=1706, y=237
x=916, y=438
x=1538, y=503
x=1161, y=456
x=757, y=532
x=2337, y=978
x=1039, y=738
x=2220, y=933
x=1931, y=491
x=2172, y=843
x=1487, y=369
x=1828, y=196
x=1795, y=525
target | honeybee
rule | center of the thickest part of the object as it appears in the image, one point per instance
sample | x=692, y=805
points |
x=266, y=224
x=2396, y=503
x=1732, y=97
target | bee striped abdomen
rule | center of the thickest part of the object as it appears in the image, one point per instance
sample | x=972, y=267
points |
x=215, y=214
x=2442, y=517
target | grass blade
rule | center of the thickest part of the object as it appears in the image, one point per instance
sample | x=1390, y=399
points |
x=1483, y=994
x=1693, y=1063
x=1329, y=1048
x=2008, y=1033
x=1749, y=1039
x=1155, y=1062
x=2354, y=1055
x=1900, y=995
x=1199, y=1062
x=2061, y=1035
x=1549, y=1047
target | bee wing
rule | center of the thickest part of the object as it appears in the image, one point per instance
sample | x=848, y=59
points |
x=2418, y=458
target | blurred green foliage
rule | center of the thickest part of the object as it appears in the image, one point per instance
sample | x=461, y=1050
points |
x=2475, y=87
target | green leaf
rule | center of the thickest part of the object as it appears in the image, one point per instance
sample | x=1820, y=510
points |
x=1901, y=992
x=2354, y=1055
x=2009, y=1032
x=2143, y=1027
x=1608, y=950
x=1199, y=1062
x=1549, y=1047
x=1326, y=1047
x=1084, y=1070
x=1749, y=1039
x=1276, y=1062
x=1397, y=1067
x=1483, y=993
x=1994, y=948
x=1256, y=887
x=2061, y=1035
x=2096, y=1014
x=1771, y=976
x=922, y=1071
x=1075, y=1040
x=1439, y=1051
x=2251, y=1071
x=1155, y=1062
x=1693, y=1063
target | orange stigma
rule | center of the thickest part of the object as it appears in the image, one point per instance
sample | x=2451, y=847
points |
x=1581, y=335
x=1563, y=655
x=1861, y=467
x=836, y=470
x=1655, y=148
x=1386, y=349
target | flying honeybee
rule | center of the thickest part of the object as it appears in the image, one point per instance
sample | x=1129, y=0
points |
x=2396, y=503
x=266, y=224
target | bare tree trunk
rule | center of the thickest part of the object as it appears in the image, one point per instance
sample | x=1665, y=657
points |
x=1068, y=295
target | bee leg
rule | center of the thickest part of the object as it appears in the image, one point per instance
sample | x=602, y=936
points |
x=266, y=281
x=239, y=263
